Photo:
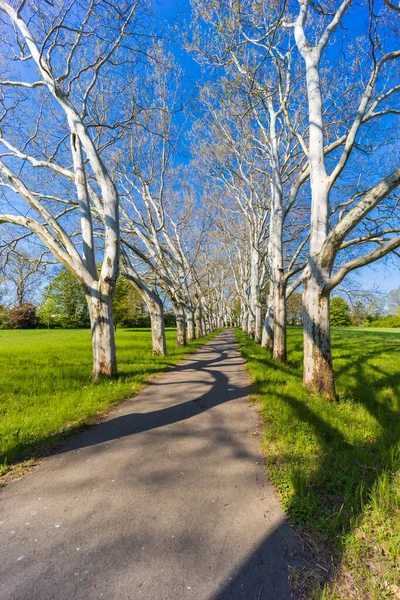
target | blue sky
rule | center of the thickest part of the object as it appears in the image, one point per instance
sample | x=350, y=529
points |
x=382, y=276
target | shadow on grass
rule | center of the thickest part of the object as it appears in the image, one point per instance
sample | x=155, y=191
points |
x=325, y=474
x=328, y=474
x=69, y=374
x=202, y=383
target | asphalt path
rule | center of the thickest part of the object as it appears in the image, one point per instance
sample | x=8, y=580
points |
x=166, y=499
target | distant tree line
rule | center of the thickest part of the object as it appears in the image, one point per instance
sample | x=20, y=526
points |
x=64, y=306
x=376, y=312
x=366, y=314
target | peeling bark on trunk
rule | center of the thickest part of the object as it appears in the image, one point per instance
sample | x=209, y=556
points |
x=157, y=327
x=318, y=370
x=267, y=340
x=198, y=323
x=103, y=341
x=258, y=323
x=245, y=321
x=180, y=326
x=204, y=326
x=275, y=330
x=279, y=348
x=190, y=325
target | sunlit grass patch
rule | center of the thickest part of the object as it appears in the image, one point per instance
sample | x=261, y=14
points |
x=336, y=465
x=46, y=389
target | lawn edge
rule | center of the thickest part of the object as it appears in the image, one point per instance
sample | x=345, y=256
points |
x=19, y=469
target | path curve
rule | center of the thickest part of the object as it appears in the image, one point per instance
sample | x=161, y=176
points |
x=167, y=499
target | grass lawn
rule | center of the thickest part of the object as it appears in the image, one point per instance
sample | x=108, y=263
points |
x=336, y=466
x=46, y=390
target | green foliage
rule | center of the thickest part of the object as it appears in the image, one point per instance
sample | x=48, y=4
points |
x=129, y=309
x=389, y=321
x=23, y=316
x=340, y=312
x=358, y=314
x=169, y=319
x=48, y=313
x=393, y=301
x=64, y=303
x=4, y=317
x=46, y=389
x=294, y=309
x=335, y=464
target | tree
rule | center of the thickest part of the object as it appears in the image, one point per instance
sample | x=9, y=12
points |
x=340, y=313
x=294, y=308
x=129, y=307
x=47, y=313
x=358, y=313
x=23, y=274
x=251, y=123
x=159, y=213
x=64, y=303
x=367, y=97
x=23, y=316
x=393, y=301
x=60, y=119
x=351, y=115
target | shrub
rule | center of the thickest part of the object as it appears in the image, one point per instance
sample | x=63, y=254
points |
x=23, y=316
x=389, y=321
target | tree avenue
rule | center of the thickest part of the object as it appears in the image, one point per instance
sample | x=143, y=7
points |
x=245, y=198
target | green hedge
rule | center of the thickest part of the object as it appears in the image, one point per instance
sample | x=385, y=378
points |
x=389, y=321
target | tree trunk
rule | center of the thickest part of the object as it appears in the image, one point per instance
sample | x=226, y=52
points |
x=267, y=340
x=180, y=326
x=198, y=322
x=157, y=326
x=318, y=371
x=190, y=325
x=204, y=326
x=279, y=347
x=103, y=341
x=154, y=306
x=258, y=325
x=245, y=320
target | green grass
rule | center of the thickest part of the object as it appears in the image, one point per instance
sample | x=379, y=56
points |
x=336, y=465
x=46, y=392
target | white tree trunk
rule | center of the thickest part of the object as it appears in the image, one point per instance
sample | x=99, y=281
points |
x=103, y=341
x=204, y=325
x=245, y=320
x=180, y=325
x=198, y=322
x=277, y=283
x=279, y=347
x=190, y=325
x=318, y=371
x=267, y=340
x=258, y=322
x=156, y=311
x=255, y=305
